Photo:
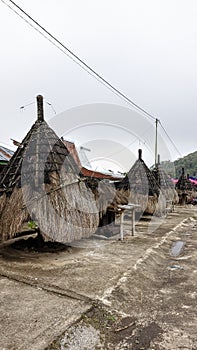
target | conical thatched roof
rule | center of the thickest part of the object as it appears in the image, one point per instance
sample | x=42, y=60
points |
x=142, y=187
x=184, y=184
x=41, y=183
x=40, y=154
x=186, y=190
x=140, y=179
x=165, y=182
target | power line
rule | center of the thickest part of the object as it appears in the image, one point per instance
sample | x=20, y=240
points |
x=47, y=35
x=137, y=138
x=172, y=142
x=52, y=39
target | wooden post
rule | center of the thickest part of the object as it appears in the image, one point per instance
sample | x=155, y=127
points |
x=132, y=207
x=133, y=222
x=40, y=109
x=140, y=154
x=121, y=225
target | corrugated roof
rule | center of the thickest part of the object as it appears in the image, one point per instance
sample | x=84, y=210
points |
x=84, y=171
x=5, y=154
x=99, y=175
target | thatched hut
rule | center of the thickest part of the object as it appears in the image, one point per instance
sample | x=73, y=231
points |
x=143, y=189
x=41, y=183
x=186, y=190
x=166, y=184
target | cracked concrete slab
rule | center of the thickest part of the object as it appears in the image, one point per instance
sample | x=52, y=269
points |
x=41, y=294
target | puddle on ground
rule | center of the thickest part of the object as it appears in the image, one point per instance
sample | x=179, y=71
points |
x=177, y=248
x=80, y=337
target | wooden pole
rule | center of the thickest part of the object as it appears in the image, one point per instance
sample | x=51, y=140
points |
x=40, y=108
x=121, y=225
x=140, y=154
x=133, y=222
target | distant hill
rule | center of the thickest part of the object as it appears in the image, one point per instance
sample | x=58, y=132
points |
x=189, y=163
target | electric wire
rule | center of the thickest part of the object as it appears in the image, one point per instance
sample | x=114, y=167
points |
x=27, y=105
x=73, y=56
x=137, y=138
x=52, y=39
x=169, y=138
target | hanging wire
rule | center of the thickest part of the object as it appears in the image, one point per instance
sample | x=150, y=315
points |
x=51, y=38
x=50, y=104
x=29, y=104
x=169, y=138
x=137, y=138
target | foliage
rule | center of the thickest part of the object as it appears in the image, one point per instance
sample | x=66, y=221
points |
x=32, y=225
x=189, y=163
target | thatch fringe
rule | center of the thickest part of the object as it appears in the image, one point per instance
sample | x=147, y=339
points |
x=64, y=215
x=12, y=216
x=156, y=205
x=106, y=195
x=167, y=186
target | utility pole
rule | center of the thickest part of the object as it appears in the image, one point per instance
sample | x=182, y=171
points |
x=156, y=140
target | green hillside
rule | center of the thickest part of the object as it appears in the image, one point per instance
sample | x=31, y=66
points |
x=189, y=163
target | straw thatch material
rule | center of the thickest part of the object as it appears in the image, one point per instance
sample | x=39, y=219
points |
x=106, y=195
x=186, y=190
x=165, y=182
x=41, y=183
x=12, y=217
x=143, y=189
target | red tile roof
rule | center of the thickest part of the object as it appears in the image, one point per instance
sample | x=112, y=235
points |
x=84, y=171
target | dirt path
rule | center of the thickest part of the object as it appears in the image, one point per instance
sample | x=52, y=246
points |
x=127, y=295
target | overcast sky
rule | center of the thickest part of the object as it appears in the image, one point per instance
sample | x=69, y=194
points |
x=146, y=49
